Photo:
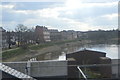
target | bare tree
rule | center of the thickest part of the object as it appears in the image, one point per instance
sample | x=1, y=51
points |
x=21, y=29
x=30, y=36
x=9, y=39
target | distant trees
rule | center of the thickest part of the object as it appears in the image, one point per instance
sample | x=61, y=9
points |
x=102, y=36
x=9, y=40
x=25, y=35
x=30, y=35
x=20, y=30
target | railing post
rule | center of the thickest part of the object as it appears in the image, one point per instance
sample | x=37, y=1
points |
x=28, y=68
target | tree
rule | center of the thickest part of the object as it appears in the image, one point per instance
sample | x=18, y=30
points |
x=9, y=40
x=30, y=35
x=21, y=29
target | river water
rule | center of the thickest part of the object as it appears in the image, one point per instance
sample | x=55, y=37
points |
x=110, y=50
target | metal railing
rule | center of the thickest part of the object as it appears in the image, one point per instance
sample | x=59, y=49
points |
x=83, y=74
x=14, y=72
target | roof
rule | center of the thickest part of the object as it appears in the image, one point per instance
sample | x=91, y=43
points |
x=104, y=58
x=1, y=29
x=85, y=50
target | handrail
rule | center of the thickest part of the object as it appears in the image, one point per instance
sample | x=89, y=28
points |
x=82, y=72
x=14, y=72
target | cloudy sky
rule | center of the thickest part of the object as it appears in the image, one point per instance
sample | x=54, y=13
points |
x=79, y=15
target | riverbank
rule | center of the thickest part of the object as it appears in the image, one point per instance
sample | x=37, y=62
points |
x=19, y=54
x=46, y=51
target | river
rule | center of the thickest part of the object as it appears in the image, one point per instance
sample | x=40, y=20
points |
x=110, y=50
x=59, y=54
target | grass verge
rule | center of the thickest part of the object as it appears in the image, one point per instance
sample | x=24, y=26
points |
x=19, y=51
x=40, y=46
x=12, y=53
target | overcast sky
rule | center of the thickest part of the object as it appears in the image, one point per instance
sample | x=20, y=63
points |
x=79, y=15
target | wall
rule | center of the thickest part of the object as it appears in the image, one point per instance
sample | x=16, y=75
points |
x=41, y=68
x=115, y=68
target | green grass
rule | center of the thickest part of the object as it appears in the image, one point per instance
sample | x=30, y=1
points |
x=91, y=74
x=12, y=53
x=37, y=47
x=40, y=46
x=19, y=51
x=66, y=41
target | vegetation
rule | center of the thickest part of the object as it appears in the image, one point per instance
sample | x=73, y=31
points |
x=36, y=47
x=102, y=36
x=90, y=74
x=12, y=53
x=26, y=40
x=20, y=51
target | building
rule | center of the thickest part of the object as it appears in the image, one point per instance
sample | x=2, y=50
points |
x=8, y=39
x=73, y=34
x=55, y=35
x=42, y=34
x=68, y=35
x=86, y=56
x=89, y=57
x=3, y=39
x=64, y=35
x=79, y=34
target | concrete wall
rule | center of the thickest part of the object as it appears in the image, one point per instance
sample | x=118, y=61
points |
x=49, y=68
x=115, y=69
x=41, y=68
